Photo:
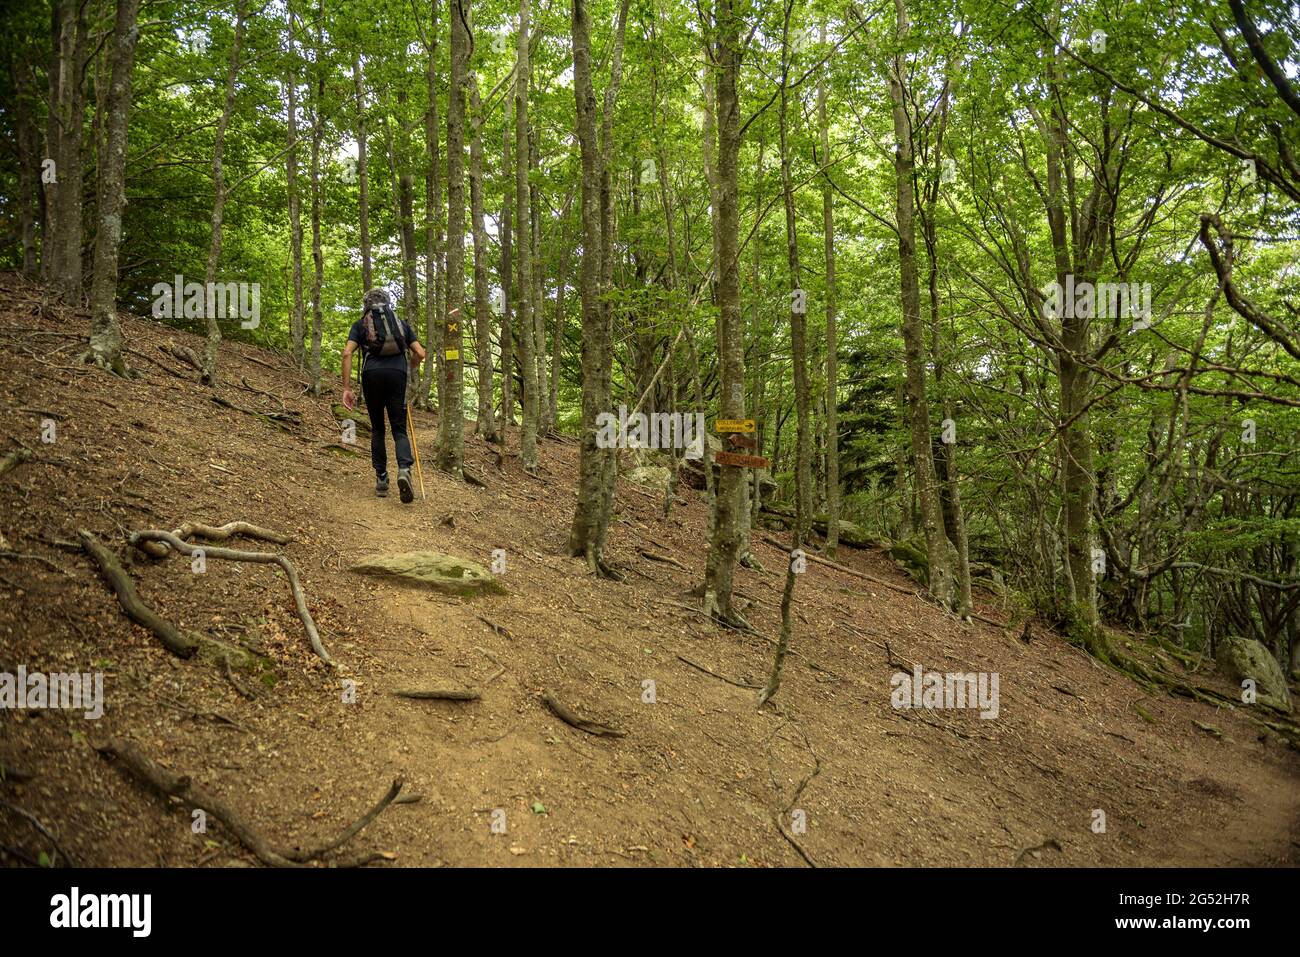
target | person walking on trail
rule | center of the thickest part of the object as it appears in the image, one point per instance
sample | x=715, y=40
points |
x=384, y=341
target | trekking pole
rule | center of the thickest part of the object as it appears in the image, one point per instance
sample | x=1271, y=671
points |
x=415, y=449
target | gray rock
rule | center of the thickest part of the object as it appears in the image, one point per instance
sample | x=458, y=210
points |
x=445, y=573
x=1244, y=658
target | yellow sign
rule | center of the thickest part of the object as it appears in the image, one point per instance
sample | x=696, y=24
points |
x=734, y=425
x=453, y=353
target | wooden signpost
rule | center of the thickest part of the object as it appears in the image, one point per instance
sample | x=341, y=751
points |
x=739, y=434
x=743, y=461
x=734, y=425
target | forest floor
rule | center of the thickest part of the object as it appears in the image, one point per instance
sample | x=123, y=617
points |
x=701, y=777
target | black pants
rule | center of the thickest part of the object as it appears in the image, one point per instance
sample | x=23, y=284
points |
x=385, y=391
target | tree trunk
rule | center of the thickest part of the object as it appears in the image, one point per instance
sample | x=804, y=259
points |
x=798, y=316
x=434, y=267
x=938, y=549
x=451, y=411
x=596, y=466
x=486, y=424
x=318, y=262
x=523, y=250
x=506, y=277
x=539, y=299
x=726, y=544
x=64, y=230
x=296, y=333
x=832, y=341
x=363, y=175
x=106, y=346
x=219, y=200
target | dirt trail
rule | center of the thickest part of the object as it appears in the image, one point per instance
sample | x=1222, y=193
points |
x=700, y=777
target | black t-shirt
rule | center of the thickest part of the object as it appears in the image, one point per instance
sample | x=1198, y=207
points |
x=398, y=361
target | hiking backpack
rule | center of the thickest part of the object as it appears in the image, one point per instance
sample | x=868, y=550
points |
x=383, y=332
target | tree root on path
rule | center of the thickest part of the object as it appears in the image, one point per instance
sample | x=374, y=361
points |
x=575, y=720
x=287, y=420
x=139, y=539
x=181, y=645
x=215, y=533
x=798, y=792
x=169, y=784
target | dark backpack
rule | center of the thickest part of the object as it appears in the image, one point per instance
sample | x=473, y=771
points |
x=383, y=332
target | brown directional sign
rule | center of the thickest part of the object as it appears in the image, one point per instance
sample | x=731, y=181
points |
x=736, y=440
x=744, y=461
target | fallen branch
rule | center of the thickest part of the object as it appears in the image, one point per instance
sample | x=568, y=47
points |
x=439, y=694
x=181, y=645
x=713, y=674
x=576, y=720
x=662, y=559
x=767, y=539
x=261, y=558
x=169, y=784
x=501, y=669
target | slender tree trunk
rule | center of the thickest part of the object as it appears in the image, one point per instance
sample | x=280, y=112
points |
x=938, y=549
x=726, y=545
x=219, y=199
x=798, y=315
x=296, y=333
x=434, y=268
x=486, y=425
x=523, y=249
x=832, y=341
x=451, y=412
x=28, y=143
x=539, y=299
x=557, y=334
x=318, y=262
x=595, y=464
x=363, y=176
x=506, y=277
x=64, y=232
x=106, y=345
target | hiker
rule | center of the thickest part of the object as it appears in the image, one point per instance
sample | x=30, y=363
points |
x=384, y=341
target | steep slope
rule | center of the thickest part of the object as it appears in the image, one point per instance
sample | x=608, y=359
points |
x=700, y=778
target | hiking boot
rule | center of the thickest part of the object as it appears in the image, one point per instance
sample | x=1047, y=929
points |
x=404, y=485
x=381, y=486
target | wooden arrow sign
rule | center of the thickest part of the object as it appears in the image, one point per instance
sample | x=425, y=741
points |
x=734, y=425
x=736, y=440
x=743, y=461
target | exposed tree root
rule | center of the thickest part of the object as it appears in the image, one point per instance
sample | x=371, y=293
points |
x=169, y=784
x=288, y=420
x=798, y=792
x=35, y=822
x=181, y=645
x=1157, y=680
x=215, y=533
x=138, y=539
x=573, y=719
